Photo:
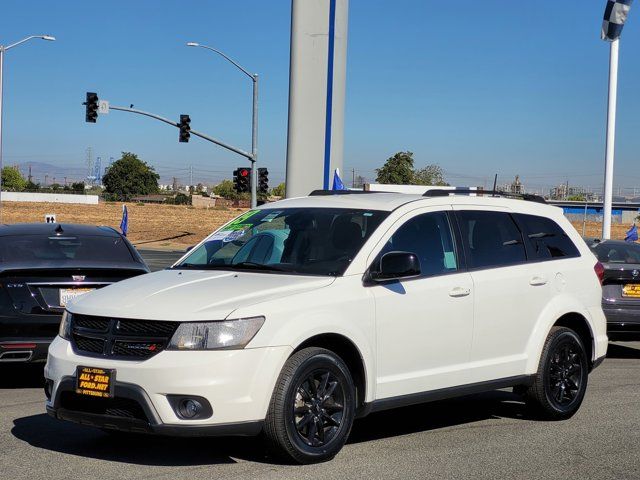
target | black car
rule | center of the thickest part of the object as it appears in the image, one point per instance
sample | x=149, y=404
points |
x=620, y=287
x=44, y=266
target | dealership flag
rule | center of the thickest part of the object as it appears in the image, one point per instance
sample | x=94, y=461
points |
x=615, y=14
x=337, y=181
x=632, y=234
x=124, y=223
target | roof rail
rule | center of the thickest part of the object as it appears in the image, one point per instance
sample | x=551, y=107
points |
x=494, y=193
x=319, y=193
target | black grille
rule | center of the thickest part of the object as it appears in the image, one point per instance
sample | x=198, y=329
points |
x=120, y=338
x=115, y=407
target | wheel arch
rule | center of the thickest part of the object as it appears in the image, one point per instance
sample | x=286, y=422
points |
x=348, y=351
x=579, y=324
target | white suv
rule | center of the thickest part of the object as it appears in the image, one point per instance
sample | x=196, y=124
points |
x=299, y=316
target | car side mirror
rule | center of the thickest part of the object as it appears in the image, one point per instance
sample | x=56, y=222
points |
x=397, y=266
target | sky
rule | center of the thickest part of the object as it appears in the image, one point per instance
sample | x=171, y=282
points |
x=476, y=87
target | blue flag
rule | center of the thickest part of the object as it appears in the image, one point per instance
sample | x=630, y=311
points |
x=124, y=224
x=337, y=181
x=615, y=14
x=632, y=234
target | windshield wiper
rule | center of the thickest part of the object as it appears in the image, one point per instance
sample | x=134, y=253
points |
x=256, y=266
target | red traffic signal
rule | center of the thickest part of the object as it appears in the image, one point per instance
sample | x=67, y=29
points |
x=242, y=179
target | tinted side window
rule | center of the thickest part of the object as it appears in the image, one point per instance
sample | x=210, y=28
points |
x=547, y=238
x=429, y=237
x=492, y=239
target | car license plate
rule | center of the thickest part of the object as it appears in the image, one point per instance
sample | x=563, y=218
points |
x=631, y=290
x=68, y=294
x=95, y=382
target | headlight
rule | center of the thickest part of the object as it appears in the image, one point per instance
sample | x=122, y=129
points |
x=215, y=335
x=65, y=326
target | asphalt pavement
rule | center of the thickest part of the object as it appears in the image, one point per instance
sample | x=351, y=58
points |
x=159, y=259
x=487, y=436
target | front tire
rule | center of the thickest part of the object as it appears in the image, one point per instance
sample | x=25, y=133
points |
x=561, y=381
x=312, y=408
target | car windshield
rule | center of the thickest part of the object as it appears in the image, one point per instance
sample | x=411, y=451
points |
x=35, y=249
x=617, y=253
x=307, y=241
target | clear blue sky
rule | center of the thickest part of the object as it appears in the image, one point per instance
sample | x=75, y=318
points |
x=477, y=87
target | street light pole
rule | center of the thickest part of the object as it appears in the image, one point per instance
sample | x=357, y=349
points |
x=3, y=49
x=254, y=120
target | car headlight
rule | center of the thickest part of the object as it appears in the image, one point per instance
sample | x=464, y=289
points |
x=65, y=326
x=215, y=335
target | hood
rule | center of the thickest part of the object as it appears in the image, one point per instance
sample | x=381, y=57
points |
x=191, y=295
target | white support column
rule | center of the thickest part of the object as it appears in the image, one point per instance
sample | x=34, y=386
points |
x=317, y=81
x=611, y=140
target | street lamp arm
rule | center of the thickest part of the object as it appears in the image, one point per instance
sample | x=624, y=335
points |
x=45, y=37
x=230, y=60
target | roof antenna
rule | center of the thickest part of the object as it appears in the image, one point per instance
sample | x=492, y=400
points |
x=59, y=229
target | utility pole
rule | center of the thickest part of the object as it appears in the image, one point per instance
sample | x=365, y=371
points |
x=191, y=175
x=353, y=178
x=30, y=176
x=65, y=181
x=46, y=179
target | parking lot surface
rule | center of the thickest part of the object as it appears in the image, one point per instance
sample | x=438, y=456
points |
x=159, y=259
x=482, y=436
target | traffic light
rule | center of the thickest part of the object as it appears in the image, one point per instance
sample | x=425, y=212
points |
x=91, y=107
x=185, y=128
x=263, y=180
x=242, y=179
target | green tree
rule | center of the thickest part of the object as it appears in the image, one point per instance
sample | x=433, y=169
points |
x=578, y=197
x=31, y=187
x=130, y=176
x=226, y=189
x=397, y=170
x=429, y=175
x=12, y=179
x=278, y=190
x=77, y=186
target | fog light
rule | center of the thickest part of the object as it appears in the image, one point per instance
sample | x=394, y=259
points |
x=189, y=408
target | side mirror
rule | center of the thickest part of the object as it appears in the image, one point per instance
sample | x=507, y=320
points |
x=396, y=266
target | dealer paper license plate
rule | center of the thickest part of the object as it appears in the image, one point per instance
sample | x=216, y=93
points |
x=95, y=382
x=68, y=294
x=631, y=290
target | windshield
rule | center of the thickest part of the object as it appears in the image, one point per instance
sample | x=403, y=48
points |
x=617, y=253
x=311, y=241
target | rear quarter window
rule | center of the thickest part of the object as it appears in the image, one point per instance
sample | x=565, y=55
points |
x=547, y=239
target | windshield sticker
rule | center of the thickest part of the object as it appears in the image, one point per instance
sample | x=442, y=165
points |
x=233, y=236
x=236, y=223
x=368, y=214
x=271, y=216
x=221, y=235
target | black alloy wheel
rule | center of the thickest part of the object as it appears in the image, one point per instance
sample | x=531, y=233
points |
x=312, y=407
x=564, y=379
x=319, y=407
x=560, y=384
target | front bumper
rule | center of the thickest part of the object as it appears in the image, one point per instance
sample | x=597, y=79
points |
x=237, y=383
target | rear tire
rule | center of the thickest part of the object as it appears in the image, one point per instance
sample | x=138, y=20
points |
x=560, y=384
x=312, y=407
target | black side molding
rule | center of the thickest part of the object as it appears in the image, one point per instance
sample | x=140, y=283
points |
x=444, y=393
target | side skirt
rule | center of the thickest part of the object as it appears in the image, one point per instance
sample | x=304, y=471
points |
x=444, y=393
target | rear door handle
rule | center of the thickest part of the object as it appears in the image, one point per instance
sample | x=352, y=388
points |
x=537, y=280
x=459, y=292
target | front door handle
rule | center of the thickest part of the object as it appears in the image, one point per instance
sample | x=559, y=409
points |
x=459, y=292
x=537, y=280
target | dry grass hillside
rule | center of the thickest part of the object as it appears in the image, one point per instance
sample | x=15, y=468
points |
x=153, y=226
x=167, y=226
